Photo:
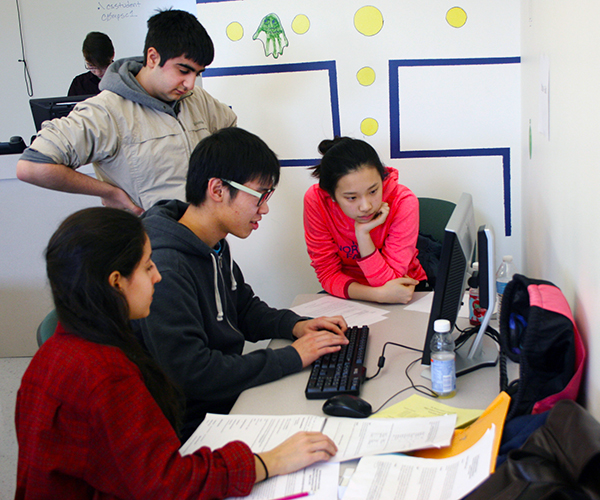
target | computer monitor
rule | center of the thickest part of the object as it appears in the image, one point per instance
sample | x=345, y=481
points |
x=48, y=108
x=453, y=271
x=482, y=351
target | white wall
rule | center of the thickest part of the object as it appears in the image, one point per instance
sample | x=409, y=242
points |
x=28, y=217
x=561, y=205
x=441, y=106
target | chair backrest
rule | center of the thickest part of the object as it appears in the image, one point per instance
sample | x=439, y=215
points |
x=47, y=327
x=433, y=216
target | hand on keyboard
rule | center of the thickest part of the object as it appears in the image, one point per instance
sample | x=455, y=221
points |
x=316, y=343
x=334, y=324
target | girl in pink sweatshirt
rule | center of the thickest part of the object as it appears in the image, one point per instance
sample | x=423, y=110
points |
x=361, y=226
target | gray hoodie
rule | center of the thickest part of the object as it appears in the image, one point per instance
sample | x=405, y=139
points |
x=202, y=314
x=120, y=78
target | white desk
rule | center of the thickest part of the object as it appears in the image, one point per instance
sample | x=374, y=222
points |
x=286, y=396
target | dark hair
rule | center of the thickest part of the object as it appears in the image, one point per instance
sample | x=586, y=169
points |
x=341, y=156
x=98, y=49
x=233, y=154
x=175, y=33
x=85, y=249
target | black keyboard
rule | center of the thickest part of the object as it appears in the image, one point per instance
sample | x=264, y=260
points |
x=340, y=372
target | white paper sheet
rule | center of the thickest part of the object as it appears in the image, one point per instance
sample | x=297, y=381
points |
x=354, y=438
x=544, y=100
x=320, y=479
x=259, y=432
x=423, y=304
x=405, y=478
x=354, y=313
x=361, y=438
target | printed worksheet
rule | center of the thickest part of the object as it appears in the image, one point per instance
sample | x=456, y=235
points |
x=320, y=480
x=354, y=313
x=360, y=438
x=259, y=432
x=404, y=478
x=354, y=438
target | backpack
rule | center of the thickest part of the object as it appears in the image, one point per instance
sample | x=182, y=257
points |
x=537, y=331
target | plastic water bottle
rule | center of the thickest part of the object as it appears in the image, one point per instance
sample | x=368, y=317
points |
x=443, y=368
x=504, y=274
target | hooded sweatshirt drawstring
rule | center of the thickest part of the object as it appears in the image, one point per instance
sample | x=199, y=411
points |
x=233, y=283
x=217, y=294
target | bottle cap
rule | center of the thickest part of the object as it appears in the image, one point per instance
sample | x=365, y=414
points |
x=507, y=258
x=441, y=325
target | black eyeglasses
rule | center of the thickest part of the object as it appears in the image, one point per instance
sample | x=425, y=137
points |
x=90, y=67
x=262, y=197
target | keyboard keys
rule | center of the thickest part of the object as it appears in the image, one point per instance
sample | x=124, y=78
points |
x=341, y=372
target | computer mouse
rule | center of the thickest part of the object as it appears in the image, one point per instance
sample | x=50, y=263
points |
x=345, y=405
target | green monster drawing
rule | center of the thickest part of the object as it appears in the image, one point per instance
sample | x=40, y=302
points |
x=275, y=39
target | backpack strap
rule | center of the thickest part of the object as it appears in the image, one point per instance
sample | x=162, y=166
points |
x=514, y=316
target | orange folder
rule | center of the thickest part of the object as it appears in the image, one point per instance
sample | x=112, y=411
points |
x=463, y=439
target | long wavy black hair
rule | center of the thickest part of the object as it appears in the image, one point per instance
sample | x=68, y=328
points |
x=86, y=248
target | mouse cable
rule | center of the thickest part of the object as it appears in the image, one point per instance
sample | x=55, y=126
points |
x=417, y=387
x=381, y=360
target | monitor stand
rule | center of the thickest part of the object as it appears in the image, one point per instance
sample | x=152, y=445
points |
x=486, y=355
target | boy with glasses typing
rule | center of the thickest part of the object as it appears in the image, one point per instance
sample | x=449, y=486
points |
x=203, y=311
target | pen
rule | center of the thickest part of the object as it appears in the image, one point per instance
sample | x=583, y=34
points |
x=297, y=495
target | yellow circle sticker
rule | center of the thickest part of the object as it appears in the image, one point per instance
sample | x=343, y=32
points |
x=235, y=31
x=300, y=24
x=369, y=126
x=456, y=17
x=368, y=20
x=366, y=76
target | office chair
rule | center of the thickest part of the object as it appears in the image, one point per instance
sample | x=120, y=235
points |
x=433, y=217
x=47, y=327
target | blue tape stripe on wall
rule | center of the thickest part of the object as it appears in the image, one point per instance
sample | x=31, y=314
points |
x=396, y=152
x=328, y=66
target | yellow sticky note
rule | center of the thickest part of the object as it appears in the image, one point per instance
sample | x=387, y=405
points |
x=418, y=406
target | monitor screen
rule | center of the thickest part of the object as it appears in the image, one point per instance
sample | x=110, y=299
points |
x=455, y=261
x=48, y=108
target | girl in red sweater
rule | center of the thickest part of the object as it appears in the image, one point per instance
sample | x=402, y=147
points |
x=95, y=416
x=361, y=226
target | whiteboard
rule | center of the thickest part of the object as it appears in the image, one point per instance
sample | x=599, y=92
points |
x=53, y=32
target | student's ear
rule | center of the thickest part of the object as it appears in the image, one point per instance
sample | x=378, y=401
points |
x=216, y=189
x=152, y=58
x=115, y=279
